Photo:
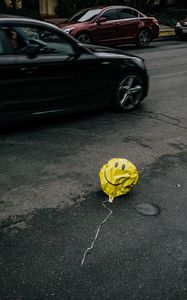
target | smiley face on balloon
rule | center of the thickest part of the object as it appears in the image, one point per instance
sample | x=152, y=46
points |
x=117, y=177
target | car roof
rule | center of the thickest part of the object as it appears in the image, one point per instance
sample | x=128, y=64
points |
x=104, y=7
x=109, y=6
x=8, y=16
x=12, y=19
x=118, y=6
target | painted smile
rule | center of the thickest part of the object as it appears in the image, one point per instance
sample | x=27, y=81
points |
x=115, y=184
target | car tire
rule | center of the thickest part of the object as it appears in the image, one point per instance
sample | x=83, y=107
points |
x=84, y=38
x=129, y=92
x=181, y=37
x=144, y=38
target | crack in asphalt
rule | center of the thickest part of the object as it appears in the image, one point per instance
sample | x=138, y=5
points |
x=177, y=121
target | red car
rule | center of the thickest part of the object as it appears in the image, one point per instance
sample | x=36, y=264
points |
x=112, y=25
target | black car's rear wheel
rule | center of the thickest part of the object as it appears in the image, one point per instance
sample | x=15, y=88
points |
x=144, y=38
x=129, y=92
x=84, y=38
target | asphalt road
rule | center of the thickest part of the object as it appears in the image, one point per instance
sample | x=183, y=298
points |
x=51, y=201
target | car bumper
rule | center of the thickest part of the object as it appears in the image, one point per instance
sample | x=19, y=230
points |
x=155, y=32
x=181, y=31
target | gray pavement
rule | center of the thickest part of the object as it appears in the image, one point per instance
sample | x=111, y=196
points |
x=135, y=257
x=50, y=197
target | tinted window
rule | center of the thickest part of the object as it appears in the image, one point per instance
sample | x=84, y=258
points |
x=49, y=41
x=1, y=47
x=2, y=44
x=85, y=15
x=110, y=14
x=127, y=14
x=135, y=13
x=15, y=40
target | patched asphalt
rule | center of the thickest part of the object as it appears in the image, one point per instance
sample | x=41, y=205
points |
x=41, y=253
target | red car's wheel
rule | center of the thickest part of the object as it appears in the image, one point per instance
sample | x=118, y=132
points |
x=84, y=38
x=144, y=38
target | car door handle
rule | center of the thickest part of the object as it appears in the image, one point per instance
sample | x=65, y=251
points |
x=28, y=70
x=117, y=23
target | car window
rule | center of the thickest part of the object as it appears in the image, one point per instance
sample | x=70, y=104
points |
x=16, y=41
x=50, y=42
x=110, y=14
x=85, y=15
x=135, y=13
x=3, y=45
x=140, y=15
x=127, y=14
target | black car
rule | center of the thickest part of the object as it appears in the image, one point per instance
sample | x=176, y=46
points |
x=43, y=70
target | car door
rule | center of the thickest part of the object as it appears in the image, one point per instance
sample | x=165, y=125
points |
x=8, y=74
x=56, y=77
x=127, y=24
x=105, y=31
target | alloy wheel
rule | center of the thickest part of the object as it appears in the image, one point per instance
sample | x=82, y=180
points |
x=129, y=92
x=144, y=38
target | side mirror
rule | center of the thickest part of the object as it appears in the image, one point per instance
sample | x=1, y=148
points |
x=101, y=20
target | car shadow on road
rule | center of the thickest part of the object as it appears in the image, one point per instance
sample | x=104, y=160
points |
x=33, y=123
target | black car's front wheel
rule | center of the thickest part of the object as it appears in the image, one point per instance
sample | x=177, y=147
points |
x=129, y=92
x=84, y=38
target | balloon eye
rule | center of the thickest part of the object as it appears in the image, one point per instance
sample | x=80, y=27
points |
x=116, y=164
x=123, y=167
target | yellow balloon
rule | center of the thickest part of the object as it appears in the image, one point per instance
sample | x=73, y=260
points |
x=117, y=177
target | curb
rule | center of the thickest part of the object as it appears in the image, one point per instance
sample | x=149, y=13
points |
x=166, y=34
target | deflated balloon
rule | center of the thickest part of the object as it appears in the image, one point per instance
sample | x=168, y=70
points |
x=117, y=177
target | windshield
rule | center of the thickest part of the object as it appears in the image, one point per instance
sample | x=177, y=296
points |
x=84, y=15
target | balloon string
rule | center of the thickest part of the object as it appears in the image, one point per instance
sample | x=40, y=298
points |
x=97, y=232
